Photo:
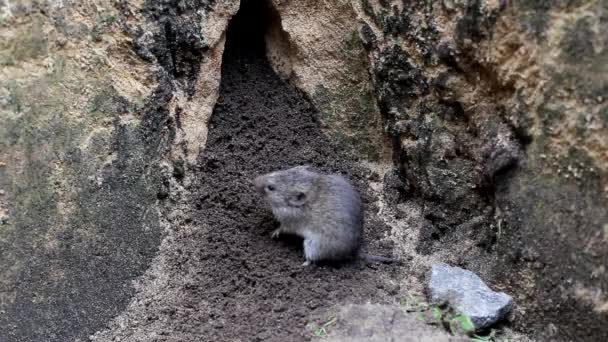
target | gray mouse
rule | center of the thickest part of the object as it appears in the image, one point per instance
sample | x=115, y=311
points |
x=325, y=210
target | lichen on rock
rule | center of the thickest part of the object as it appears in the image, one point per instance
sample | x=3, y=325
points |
x=478, y=127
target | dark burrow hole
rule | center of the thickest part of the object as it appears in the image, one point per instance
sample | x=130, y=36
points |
x=236, y=254
x=245, y=37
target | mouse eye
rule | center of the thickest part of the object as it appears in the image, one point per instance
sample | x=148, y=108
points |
x=297, y=200
x=270, y=187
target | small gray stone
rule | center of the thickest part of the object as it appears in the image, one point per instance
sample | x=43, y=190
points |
x=465, y=292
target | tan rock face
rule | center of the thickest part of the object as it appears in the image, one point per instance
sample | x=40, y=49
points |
x=485, y=124
x=77, y=175
x=196, y=108
x=315, y=46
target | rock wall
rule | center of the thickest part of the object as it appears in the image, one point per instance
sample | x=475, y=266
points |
x=84, y=126
x=497, y=114
x=486, y=121
x=316, y=46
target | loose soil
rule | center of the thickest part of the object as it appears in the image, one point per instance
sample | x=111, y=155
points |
x=222, y=276
x=256, y=286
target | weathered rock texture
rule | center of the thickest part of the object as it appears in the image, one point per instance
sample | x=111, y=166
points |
x=84, y=126
x=219, y=276
x=497, y=110
x=467, y=294
x=483, y=124
x=316, y=46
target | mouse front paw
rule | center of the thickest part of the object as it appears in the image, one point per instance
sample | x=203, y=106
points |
x=276, y=233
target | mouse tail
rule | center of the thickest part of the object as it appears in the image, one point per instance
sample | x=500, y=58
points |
x=381, y=259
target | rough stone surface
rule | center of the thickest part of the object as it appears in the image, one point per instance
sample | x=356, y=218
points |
x=465, y=292
x=219, y=276
x=84, y=126
x=479, y=130
x=380, y=323
x=316, y=46
x=496, y=110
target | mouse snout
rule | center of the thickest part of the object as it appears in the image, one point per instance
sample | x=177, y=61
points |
x=259, y=183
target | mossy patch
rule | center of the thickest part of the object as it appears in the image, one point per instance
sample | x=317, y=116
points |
x=550, y=117
x=604, y=114
x=81, y=184
x=554, y=204
x=103, y=22
x=535, y=13
x=349, y=110
x=577, y=44
x=30, y=44
x=350, y=118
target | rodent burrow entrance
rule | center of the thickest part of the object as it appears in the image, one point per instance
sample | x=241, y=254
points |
x=256, y=286
x=256, y=29
x=261, y=122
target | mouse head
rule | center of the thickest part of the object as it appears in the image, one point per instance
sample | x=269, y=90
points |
x=288, y=191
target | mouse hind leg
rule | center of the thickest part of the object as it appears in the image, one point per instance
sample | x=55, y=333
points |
x=276, y=233
x=312, y=251
x=316, y=250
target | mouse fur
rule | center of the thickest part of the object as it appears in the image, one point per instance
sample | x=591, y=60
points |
x=324, y=209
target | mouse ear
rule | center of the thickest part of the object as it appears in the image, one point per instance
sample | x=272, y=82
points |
x=303, y=167
x=297, y=199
